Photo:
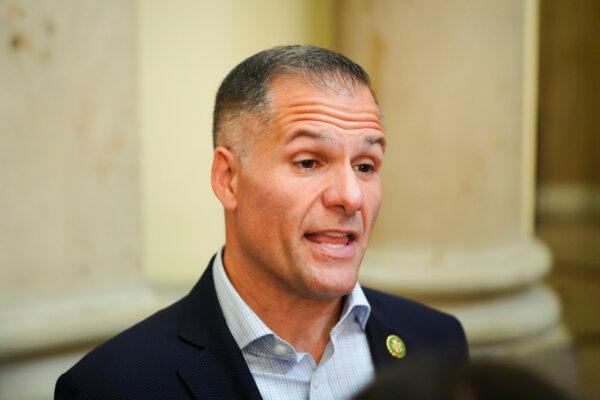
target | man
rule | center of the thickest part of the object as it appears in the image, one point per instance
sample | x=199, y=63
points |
x=278, y=314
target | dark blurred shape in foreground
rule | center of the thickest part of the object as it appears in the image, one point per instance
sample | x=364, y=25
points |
x=485, y=379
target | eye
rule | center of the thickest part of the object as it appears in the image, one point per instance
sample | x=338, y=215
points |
x=365, y=168
x=308, y=164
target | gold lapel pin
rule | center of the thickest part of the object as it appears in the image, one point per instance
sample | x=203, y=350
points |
x=395, y=346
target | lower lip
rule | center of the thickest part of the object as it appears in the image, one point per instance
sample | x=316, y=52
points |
x=334, y=251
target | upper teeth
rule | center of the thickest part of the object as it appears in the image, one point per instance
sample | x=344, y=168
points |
x=337, y=234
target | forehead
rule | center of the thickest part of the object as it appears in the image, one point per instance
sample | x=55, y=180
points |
x=296, y=101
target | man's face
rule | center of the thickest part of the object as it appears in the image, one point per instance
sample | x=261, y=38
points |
x=310, y=192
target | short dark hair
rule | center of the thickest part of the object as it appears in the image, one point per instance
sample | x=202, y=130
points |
x=246, y=87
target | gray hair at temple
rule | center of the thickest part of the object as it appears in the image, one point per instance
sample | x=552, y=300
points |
x=243, y=104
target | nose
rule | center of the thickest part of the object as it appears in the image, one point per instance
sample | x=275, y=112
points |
x=344, y=191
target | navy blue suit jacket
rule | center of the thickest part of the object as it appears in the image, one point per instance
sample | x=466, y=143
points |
x=186, y=351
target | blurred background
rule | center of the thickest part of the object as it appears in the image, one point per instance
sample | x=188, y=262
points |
x=492, y=174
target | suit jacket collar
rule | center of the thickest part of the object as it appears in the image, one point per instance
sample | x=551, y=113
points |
x=220, y=370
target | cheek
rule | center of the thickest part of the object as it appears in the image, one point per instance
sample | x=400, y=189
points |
x=267, y=202
x=373, y=202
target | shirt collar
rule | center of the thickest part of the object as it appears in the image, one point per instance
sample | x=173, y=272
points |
x=246, y=327
x=244, y=324
x=356, y=304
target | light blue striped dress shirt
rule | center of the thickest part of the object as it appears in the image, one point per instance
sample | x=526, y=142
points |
x=282, y=373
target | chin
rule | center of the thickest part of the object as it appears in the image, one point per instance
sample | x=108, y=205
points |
x=332, y=285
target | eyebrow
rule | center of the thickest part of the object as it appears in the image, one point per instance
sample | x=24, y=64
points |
x=328, y=138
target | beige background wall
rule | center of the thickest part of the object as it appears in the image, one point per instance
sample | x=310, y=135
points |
x=186, y=49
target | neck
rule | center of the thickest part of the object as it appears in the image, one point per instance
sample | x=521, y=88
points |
x=303, y=322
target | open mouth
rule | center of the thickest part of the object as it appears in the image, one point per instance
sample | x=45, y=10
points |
x=331, y=239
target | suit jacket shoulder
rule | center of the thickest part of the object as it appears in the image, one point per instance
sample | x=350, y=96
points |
x=141, y=362
x=184, y=351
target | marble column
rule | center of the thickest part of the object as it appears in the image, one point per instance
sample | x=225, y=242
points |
x=457, y=83
x=69, y=195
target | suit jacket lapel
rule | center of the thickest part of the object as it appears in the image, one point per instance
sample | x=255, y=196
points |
x=378, y=330
x=219, y=371
x=376, y=336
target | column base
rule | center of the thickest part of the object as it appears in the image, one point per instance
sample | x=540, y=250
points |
x=67, y=320
x=429, y=273
x=550, y=354
x=508, y=317
x=34, y=379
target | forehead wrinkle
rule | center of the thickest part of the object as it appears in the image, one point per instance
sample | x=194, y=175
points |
x=347, y=125
x=343, y=116
x=321, y=136
x=330, y=138
x=327, y=104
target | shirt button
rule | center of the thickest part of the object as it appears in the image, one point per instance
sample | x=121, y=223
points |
x=279, y=349
x=316, y=383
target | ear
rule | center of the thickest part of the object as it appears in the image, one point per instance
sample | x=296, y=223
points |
x=224, y=177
